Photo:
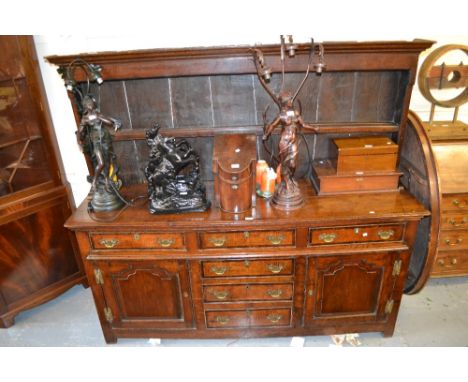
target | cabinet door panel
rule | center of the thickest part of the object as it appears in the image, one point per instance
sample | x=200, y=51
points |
x=351, y=287
x=152, y=294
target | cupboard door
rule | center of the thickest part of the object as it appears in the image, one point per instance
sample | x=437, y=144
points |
x=146, y=294
x=349, y=288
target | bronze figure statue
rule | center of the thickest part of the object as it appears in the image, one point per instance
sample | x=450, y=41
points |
x=173, y=175
x=287, y=195
x=96, y=141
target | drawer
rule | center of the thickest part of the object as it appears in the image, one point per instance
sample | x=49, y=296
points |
x=241, y=239
x=270, y=267
x=453, y=240
x=138, y=240
x=455, y=202
x=359, y=234
x=247, y=292
x=248, y=318
x=451, y=262
x=454, y=220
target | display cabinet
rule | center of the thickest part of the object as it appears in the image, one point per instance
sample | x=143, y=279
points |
x=37, y=254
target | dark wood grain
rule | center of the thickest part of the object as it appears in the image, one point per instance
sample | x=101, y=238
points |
x=37, y=255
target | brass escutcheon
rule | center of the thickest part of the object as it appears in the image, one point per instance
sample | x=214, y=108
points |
x=109, y=243
x=328, y=237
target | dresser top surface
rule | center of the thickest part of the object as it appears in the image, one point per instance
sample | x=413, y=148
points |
x=317, y=210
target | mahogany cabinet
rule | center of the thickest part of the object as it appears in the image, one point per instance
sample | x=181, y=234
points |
x=37, y=256
x=339, y=264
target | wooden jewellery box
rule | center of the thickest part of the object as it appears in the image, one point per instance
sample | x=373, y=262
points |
x=362, y=164
x=365, y=154
x=234, y=161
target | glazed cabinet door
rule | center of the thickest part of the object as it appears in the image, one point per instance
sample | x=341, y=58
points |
x=146, y=294
x=350, y=288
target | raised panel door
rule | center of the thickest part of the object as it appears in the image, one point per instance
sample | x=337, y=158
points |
x=349, y=288
x=147, y=294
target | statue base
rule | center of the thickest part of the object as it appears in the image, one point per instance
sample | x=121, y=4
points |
x=103, y=201
x=287, y=200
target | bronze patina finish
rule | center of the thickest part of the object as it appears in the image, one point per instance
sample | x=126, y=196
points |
x=96, y=141
x=287, y=195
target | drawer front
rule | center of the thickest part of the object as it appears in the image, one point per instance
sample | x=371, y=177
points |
x=138, y=241
x=366, y=163
x=248, y=318
x=270, y=267
x=453, y=240
x=454, y=220
x=247, y=239
x=451, y=262
x=361, y=234
x=247, y=292
x=359, y=183
x=455, y=202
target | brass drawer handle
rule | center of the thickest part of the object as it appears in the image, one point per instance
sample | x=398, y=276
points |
x=275, y=240
x=457, y=203
x=221, y=295
x=217, y=242
x=385, y=235
x=275, y=268
x=328, y=237
x=166, y=242
x=223, y=320
x=219, y=270
x=454, y=223
x=109, y=243
x=441, y=262
x=452, y=243
x=274, y=318
x=275, y=293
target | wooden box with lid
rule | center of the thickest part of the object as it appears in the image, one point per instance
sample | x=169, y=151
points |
x=340, y=264
x=361, y=164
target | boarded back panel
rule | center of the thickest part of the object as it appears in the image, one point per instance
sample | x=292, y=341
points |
x=191, y=101
x=149, y=102
x=336, y=97
x=233, y=100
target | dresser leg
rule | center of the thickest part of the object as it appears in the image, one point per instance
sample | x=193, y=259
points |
x=7, y=321
x=109, y=337
x=388, y=332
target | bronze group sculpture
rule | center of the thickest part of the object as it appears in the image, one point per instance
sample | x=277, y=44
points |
x=287, y=195
x=173, y=175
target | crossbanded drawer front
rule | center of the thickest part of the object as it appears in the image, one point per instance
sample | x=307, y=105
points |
x=363, y=234
x=138, y=241
x=453, y=240
x=247, y=292
x=455, y=202
x=248, y=318
x=242, y=239
x=270, y=267
x=454, y=220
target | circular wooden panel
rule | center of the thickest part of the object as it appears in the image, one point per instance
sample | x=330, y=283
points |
x=417, y=162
